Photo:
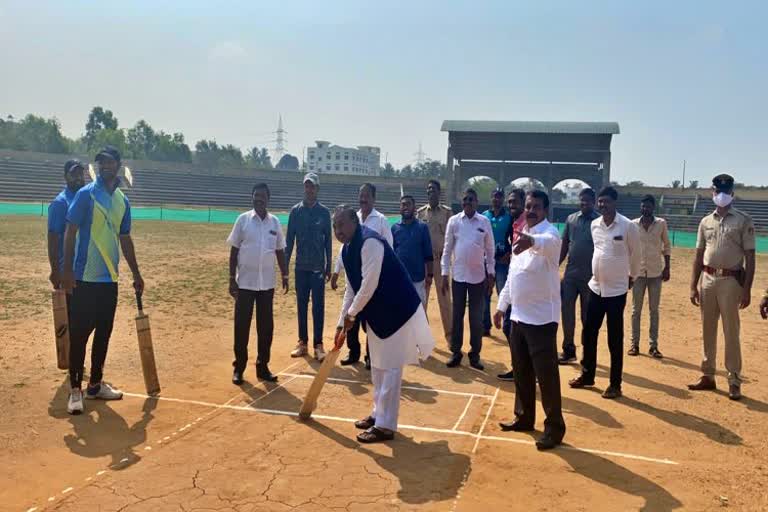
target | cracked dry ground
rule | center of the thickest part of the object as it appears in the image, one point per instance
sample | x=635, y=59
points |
x=268, y=463
x=244, y=460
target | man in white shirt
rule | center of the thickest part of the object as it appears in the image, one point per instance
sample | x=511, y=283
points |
x=615, y=264
x=379, y=293
x=532, y=292
x=468, y=256
x=655, y=254
x=372, y=219
x=256, y=242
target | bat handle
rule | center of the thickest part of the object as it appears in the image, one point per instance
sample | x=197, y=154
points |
x=139, y=303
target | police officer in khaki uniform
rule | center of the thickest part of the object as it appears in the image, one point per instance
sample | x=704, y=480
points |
x=436, y=216
x=721, y=283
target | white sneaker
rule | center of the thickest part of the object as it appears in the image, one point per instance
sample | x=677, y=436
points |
x=75, y=404
x=105, y=392
x=300, y=350
x=319, y=352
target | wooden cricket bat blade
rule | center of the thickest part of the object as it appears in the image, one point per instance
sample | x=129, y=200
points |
x=61, y=328
x=310, y=400
x=147, y=353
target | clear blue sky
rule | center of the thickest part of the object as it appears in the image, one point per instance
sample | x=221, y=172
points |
x=684, y=79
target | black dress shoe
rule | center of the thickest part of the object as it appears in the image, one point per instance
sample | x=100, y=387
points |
x=515, y=426
x=546, y=442
x=350, y=359
x=476, y=364
x=704, y=383
x=263, y=373
x=237, y=378
x=454, y=361
x=581, y=382
x=508, y=377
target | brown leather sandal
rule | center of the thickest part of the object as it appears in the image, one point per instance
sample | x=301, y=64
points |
x=365, y=423
x=375, y=435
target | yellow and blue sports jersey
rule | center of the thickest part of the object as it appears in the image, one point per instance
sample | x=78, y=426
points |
x=101, y=218
x=57, y=218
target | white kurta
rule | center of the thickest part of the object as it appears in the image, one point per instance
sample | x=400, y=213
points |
x=412, y=342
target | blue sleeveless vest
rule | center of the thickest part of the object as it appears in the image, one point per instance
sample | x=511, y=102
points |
x=395, y=300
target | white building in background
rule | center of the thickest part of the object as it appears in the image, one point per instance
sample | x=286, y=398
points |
x=325, y=158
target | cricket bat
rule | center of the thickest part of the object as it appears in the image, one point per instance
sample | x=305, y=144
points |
x=146, y=350
x=61, y=328
x=310, y=400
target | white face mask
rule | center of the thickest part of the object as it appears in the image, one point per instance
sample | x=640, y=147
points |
x=722, y=199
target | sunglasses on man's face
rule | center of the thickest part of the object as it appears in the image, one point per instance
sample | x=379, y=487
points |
x=469, y=199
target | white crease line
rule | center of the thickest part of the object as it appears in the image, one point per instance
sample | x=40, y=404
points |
x=88, y=479
x=485, y=421
x=434, y=430
x=414, y=388
x=464, y=413
x=205, y=404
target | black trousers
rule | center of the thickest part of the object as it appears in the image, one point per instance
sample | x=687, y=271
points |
x=599, y=308
x=534, y=356
x=353, y=340
x=91, y=310
x=476, y=293
x=264, y=325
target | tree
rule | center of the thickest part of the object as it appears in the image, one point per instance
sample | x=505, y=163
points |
x=483, y=185
x=406, y=172
x=171, y=148
x=634, y=184
x=141, y=140
x=110, y=137
x=388, y=171
x=207, y=153
x=144, y=143
x=258, y=158
x=99, y=119
x=557, y=195
x=34, y=133
x=288, y=163
x=675, y=184
x=430, y=169
x=693, y=184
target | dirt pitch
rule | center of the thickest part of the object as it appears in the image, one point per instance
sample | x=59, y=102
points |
x=207, y=445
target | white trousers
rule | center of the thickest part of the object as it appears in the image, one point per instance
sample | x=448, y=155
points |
x=422, y=291
x=386, y=396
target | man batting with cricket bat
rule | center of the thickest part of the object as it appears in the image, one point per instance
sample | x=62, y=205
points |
x=379, y=293
x=99, y=224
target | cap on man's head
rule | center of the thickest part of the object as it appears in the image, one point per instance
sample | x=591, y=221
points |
x=723, y=182
x=108, y=152
x=72, y=165
x=311, y=177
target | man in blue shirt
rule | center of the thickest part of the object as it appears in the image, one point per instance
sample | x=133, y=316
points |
x=500, y=225
x=98, y=227
x=309, y=228
x=74, y=176
x=413, y=246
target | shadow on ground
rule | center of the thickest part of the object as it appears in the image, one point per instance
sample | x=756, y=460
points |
x=427, y=471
